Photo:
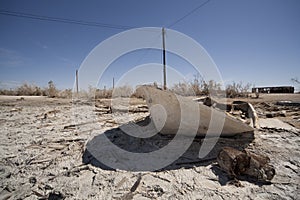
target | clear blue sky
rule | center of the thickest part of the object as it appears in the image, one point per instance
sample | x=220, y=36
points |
x=256, y=41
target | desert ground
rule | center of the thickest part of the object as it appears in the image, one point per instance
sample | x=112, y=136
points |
x=43, y=154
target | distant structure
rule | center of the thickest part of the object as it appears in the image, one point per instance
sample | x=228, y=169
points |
x=279, y=89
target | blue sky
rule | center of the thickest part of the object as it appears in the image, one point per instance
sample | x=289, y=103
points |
x=255, y=41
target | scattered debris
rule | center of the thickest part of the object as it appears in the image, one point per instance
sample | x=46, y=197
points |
x=287, y=103
x=274, y=123
x=276, y=114
x=21, y=99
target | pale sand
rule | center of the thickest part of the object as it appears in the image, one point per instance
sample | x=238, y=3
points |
x=42, y=157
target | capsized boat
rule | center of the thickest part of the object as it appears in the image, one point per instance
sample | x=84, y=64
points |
x=175, y=114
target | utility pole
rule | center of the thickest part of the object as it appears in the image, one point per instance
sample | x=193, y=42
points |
x=113, y=82
x=76, y=81
x=164, y=59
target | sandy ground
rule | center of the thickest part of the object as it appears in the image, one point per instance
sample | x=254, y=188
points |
x=44, y=156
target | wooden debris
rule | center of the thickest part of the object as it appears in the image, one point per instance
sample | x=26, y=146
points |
x=288, y=103
x=56, y=146
x=130, y=194
x=136, y=184
x=71, y=139
x=276, y=114
x=16, y=110
x=71, y=126
x=40, y=161
x=124, y=179
x=39, y=194
x=161, y=178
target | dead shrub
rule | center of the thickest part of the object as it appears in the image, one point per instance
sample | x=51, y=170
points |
x=65, y=94
x=238, y=90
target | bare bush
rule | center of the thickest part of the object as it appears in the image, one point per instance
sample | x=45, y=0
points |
x=295, y=80
x=237, y=90
x=24, y=90
x=197, y=87
x=51, y=91
x=103, y=93
x=183, y=89
x=122, y=91
x=94, y=93
x=66, y=94
x=29, y=90
x=8, y=92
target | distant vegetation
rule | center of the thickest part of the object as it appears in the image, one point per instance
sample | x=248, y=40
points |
x=32, y=90
x=197, y=87
x=200, y=87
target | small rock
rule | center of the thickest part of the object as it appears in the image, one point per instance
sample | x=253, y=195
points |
x=269, y=115
x=48, y=187
x=282, y=113
x=56, y=195
x=32, y=180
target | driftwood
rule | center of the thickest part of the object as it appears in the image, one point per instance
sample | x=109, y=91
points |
x=136, y=184
x=236, y=163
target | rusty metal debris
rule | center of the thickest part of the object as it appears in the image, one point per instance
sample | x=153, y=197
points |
x=237, y=163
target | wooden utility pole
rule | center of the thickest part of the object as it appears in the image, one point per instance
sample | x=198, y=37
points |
x=76, y=81
x=164, y=59
x=113, y=82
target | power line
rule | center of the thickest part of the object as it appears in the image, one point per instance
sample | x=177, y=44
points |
x=189, y=13
x=63, y=20
x=86, y=23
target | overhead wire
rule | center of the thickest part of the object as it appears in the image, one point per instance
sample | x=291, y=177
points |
x=188, y=14
x=63, y=20
x=88, y=23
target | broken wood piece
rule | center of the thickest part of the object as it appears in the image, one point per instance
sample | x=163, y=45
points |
x=121, y=182
x=40, y=161
x=136, y=184
x=56, y=146
x=59, y=140
x=161, y=178
x=72, y=126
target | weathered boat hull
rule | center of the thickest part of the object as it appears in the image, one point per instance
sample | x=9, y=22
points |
x=173, y=114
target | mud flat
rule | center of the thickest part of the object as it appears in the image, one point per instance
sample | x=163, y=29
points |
x=43, y=154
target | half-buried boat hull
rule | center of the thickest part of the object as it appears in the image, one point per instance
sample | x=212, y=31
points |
x=175, y=114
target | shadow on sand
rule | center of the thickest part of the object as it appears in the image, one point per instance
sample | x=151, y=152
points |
x=144, y=145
